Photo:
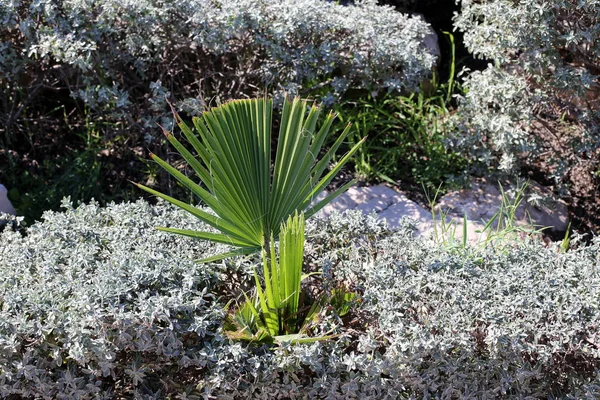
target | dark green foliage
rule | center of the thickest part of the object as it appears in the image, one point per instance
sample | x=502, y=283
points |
x=81, y=165
x=407, y=134
x=406, y=138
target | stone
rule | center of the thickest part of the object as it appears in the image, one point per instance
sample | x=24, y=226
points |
x=386, y=202
x=483, y=199
x=480, y=202
x=5, y=204
x=431, y=41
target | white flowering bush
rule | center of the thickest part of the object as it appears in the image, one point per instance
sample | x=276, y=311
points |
x=95, y=303
x=124, y=60
x=544, y=68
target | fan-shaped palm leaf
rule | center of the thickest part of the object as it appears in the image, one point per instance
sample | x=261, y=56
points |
x=251, y=195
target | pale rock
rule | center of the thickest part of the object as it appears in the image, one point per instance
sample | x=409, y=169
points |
x=5, y=204
x=340, y=204
x=386, y=202
x=480, y=202
x=431, y=40
x=484, y=199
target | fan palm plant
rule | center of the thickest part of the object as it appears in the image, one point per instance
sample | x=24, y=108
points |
x=276, y=313
x=251, y=196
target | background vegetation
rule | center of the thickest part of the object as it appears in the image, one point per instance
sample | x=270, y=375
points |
x=96, y=303
x=83, y=90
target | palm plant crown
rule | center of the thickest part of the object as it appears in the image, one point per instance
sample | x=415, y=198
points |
x=250, y=194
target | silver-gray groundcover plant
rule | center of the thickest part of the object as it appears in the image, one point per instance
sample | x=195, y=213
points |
x=544, y=67
x=95, y=303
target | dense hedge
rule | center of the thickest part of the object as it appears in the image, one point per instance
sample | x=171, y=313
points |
x=122, y=61
x=538, y=102
x=95, y=303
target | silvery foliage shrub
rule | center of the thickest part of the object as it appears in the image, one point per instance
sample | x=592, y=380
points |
x=89, y=289
x=545, y=58
x=119, y=56
x=96, y=304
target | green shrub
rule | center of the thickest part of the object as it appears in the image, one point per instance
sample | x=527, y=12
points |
x=257, y=200
x=95, y=303
x=408, y=136
x=81, y=165
x=406, y=139
x=251, y=192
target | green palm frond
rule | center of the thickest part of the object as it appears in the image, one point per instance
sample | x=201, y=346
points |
x=274, y=314
x=250, y=194
x=280, y=298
